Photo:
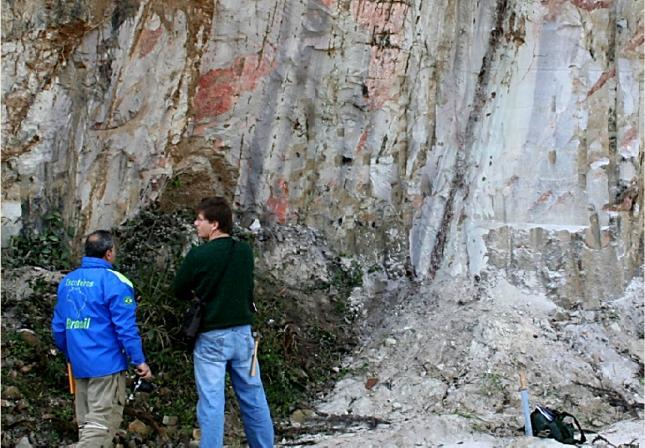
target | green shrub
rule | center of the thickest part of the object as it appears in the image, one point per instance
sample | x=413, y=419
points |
x=48, y=247
x=296, y=360
x=300, y=344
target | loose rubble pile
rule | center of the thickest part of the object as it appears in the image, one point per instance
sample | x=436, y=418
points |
x=439, y=367
x=437, y=364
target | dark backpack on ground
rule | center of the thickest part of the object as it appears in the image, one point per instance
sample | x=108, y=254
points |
x=550, y=423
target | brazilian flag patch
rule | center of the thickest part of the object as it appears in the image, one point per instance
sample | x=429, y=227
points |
x=128, y=300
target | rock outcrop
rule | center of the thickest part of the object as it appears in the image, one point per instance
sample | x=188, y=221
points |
x=492, y=151
x=456, y=135
x=439, y=366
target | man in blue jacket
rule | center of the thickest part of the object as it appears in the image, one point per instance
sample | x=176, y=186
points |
x=95, y=327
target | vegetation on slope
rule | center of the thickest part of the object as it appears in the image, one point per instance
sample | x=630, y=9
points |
x=300, y=345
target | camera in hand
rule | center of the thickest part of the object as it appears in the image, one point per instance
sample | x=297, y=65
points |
x=141, y=385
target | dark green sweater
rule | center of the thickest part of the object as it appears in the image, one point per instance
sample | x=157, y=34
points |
x=229, y=303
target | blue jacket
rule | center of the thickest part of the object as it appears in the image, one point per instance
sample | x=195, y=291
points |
x=94, y=321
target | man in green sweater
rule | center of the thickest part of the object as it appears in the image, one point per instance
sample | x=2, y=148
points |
x=221, y=272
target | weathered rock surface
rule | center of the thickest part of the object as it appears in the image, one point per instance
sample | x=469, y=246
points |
x=18, y=285
x=449, y=134
x=453, y=432
x=440, y=365
x=491, y=150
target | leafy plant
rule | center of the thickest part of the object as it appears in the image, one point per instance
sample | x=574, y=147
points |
x=303, y=336
x=347, y=278
x=47, y=247
x=295, y=359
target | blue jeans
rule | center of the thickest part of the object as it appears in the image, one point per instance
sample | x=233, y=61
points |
x=215, y=353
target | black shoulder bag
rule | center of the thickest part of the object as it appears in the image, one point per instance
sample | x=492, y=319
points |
x=550, y=423
x=193, y=317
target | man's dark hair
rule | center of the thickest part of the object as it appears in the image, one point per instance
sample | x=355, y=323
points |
x=217, y=209
x=98, y=243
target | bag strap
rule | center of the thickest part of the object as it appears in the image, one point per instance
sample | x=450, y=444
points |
x=223, y=271
x=583, y=439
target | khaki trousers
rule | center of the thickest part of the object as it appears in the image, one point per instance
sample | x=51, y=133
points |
x=99, y=409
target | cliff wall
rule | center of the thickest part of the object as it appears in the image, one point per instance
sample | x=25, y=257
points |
x=423, y=135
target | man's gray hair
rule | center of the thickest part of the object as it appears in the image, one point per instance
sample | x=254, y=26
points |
x=98, y=243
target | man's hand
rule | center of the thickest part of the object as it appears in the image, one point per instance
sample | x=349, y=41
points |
x=144, y=371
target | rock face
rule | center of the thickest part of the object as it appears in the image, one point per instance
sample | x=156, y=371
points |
x=444, y=134
x=491, y=150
